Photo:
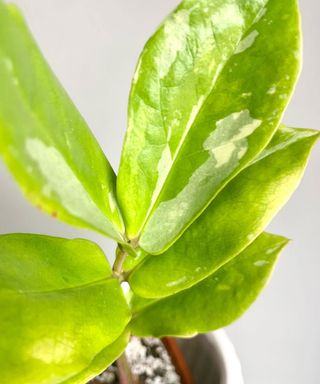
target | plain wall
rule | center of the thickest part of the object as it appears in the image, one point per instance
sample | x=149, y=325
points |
x=93, y=47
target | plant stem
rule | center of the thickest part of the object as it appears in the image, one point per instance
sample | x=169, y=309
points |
x=125, y=374
x=178, y=359
x=121, y=255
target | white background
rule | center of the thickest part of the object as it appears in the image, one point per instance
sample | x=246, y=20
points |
x=93, y=46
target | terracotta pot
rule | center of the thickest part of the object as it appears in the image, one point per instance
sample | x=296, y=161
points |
x=212, y=359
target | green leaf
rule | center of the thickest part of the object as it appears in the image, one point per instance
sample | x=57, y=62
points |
x=216, y=301
x=208, y=94
x=233, y=220
x=44, y=140
x=100, y=362
x=60, y=310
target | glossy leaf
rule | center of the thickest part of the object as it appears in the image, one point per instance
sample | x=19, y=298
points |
x=61, y=310
x=100, y=362
x=44, y=140
x=216, y=301
x=208, y=94
x=233, y=220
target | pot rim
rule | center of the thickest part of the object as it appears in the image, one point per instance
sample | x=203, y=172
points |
x=231, y=372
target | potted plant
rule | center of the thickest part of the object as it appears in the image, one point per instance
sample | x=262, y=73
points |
x=205, y=166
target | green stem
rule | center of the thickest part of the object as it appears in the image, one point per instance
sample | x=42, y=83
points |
x=125, y=373
x=121, y=255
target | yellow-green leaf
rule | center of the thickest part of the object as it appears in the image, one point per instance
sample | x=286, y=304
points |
x=216, y=301
x=44, y=140
x=209, y=91
x=233, y=220
x=62, y=311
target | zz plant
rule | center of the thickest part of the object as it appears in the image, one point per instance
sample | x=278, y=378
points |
x=205, y=166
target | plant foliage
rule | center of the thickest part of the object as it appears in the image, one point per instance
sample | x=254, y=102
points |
x=205, y=166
